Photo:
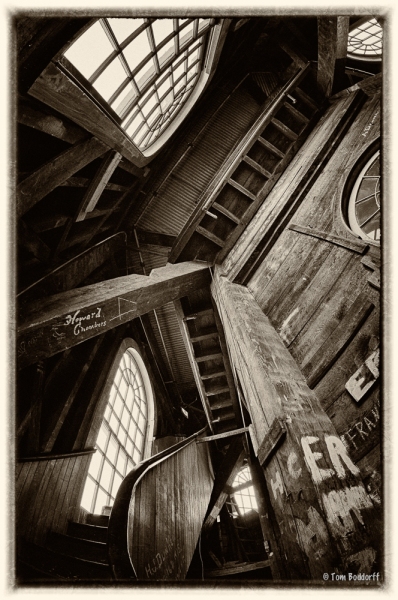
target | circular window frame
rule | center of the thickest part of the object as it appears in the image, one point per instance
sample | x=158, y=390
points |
x=350, y=191
x=375, y=58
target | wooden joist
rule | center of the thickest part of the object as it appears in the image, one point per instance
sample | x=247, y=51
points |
x=64, y=320
x=370, y=85
x=221, y=436
x=98, y=183
x=332, y=52
x=40, y=183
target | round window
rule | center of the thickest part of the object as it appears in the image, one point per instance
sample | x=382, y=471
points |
x=364, y=205
x=365, y=40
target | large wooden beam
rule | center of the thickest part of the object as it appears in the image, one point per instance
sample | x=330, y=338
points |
x=75, y=270
x=332, y=53
x=314, y=486
x=370, y=85
x=59, y=322
x=40, y=183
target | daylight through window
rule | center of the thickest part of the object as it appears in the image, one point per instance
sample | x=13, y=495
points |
x=121, y=440
x=243, y=493
x=144, y=70
x=365, y=40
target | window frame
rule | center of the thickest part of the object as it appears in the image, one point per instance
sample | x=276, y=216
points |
x=65, y=91
x=131, y=345
x=364, y=56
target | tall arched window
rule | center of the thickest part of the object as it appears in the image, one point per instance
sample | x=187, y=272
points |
x=125, y=432
x=146, y=73
x=243, y=491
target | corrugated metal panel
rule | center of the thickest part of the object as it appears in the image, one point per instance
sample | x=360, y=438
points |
x=177, y=199
x=174, y=344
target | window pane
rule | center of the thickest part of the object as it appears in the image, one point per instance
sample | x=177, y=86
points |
x=129, y=447
x=125, y=417
x=122, y=390
x=112, y=394
x=108, y=82
x=124, y=99
x=166, y=52
x=186, y=34
x=139, y=440
x=95, y=464
x=137, y=50
x=88, y=494
x=106, y=475
x=102, y=437
x=112, y=450
x=100, y=502
x=90, y=50
x=161, y=29
x=122, y=28
x=144, y=75
x=116, y=484
x=136, y=456
x=114, y=423
x=118, y=407
x=121, y=462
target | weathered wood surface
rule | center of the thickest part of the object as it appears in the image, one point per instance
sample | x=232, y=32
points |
x=64, y=320
x=40, y=183
x=313, y=482
x=75, y=270
x=332, y=52
x=54, y=88
x=230, y=164
x=235, y=569
x=98, y=183
x=46, y=495
x=158, y=514
x=370, y=85
x=358, y=246
x=295, y=174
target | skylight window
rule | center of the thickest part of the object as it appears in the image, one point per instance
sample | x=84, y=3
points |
x=365, y=40
x=124, y=60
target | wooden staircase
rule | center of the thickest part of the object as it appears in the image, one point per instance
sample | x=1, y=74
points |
x=80, y=555
x=250, y=173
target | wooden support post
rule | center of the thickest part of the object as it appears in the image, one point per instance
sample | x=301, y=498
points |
x=40, y=183
x=69, y=318
x=97, y=185
x=325, y=516
x=332, y=52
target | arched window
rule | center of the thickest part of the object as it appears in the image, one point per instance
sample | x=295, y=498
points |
x=243, y=491
x=146, y=73
x=363, y=193
x=125, y=432
x=365, y=40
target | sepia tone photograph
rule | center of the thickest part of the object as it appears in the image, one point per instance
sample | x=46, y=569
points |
x=198, y=298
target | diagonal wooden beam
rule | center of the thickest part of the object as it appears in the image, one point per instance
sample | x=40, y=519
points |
x=332, y=53
x=370, y=85
x=98, y=183
x=59, y=322
x=40, y=183
x=226, y=474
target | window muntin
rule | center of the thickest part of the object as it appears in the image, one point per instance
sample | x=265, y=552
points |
x=365, y=40
x=364, y=205
x=155, y=63
x=122, y=436
x=244, y=496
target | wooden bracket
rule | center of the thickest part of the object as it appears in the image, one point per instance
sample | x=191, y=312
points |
x=275, y=434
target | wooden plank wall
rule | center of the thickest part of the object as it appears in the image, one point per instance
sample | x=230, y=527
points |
x=169, y=506
x=318, y=296
x=47, y=495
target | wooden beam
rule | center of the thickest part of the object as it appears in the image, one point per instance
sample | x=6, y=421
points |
x=225, y=477
x=153, y=238
x=370, y=85
x=75, y=270
x=98, y=183
x=64, y=320
x=40, y=183
x=238, y=568
x=332, y=53
x=221, y=436
x=29, y=239
x=313, y=484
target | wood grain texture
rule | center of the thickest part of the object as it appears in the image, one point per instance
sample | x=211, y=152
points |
x=301, y=497
x=332, y=52
x=40, y=183
x=66, y=319
x=46, y=492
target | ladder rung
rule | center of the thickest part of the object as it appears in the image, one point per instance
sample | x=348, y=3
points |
x=205, y=336
x=257, y=167
x=209, y=235
x=219, y=390
x=226, y=212
x=222, y=404
x=199, y=313
x=289, y=133
x=273, y=149
x=305, y=98
x=293, y=110
x=227, y=417
x=208, y=357
x=213, y=375
x=241, y=189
